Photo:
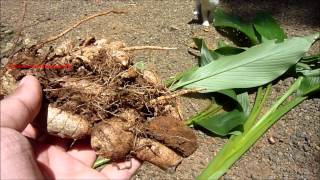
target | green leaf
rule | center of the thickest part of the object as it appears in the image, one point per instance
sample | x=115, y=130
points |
x=311, y=72
x=238, y=145
x=311, y=59
x=222, y=123
x=309, y=85
x=206, y=55
x=224, y=20
x=242, y=99
x=209, y=111
x=229, y=50
x=177, y=77
x=256, y=66
x=267, y=27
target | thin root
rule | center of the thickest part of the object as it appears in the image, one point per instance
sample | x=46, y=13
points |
x=53, y=38
x=135, y=48
x=174, y=95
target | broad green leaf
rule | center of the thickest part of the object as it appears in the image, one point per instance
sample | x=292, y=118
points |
x=206, y=55
x=256, y=66
x=267, y=27
x=229, y=50
x=223, y=20
x=222, y=123
x=311, y=72
x=209, y=111
x=309, y=85
x=242, y=99
x=177, y=77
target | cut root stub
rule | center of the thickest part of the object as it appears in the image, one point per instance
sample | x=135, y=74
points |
x=66, y=125
x=157, y=154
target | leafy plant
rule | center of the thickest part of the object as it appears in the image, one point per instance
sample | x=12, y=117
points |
x=263, y=26
x=254, y=67
x=226, y=23
x=228, y=68
x=237, y=145
x=267, y=27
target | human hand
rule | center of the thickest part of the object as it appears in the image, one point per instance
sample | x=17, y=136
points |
x=25, y=156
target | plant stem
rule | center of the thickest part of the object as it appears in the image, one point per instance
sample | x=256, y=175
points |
x=259, y=102
x=292, y=89
x=99, y=162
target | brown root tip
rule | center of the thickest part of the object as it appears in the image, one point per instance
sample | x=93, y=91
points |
x=157, y=154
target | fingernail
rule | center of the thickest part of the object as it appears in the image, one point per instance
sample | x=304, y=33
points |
x=22, y=81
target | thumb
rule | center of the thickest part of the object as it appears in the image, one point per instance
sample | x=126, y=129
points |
x=21, y=107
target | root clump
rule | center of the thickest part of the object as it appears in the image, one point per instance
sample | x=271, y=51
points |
x=93, y=89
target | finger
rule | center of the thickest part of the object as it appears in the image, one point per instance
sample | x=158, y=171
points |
x=17, y=157
x=61, y=143
x=64, y=166
x=21, y=107
x=122, y=170
x=30, y=132
x=83, y=152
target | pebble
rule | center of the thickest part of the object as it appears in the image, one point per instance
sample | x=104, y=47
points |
x=271, y=140
x=173, y=28
x=8, y=31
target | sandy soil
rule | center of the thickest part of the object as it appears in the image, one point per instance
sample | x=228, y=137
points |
x=295, y=154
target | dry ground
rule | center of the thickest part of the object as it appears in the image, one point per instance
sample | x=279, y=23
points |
x=295, y=155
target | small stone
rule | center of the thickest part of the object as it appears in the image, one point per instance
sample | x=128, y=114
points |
x=27, y=41
x=8, y=31
x=271, y=140
x=306, y=148
x=173, y=28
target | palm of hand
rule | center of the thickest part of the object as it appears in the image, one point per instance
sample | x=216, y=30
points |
x=50, y=157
